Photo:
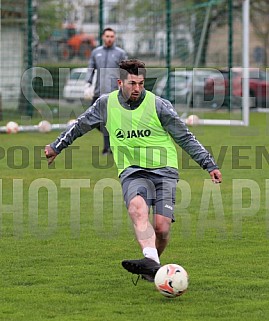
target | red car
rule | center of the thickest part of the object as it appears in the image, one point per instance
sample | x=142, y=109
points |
x=216, y=88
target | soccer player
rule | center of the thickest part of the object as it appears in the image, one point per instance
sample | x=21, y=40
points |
x=141, y=128
x=105, y=61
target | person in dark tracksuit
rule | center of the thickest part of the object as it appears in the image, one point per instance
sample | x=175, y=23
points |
x=104, y=61
x=142, y=128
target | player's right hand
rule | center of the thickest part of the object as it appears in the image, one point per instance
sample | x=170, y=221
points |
x=50, y=154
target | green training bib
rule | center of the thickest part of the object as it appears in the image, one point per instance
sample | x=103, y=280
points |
x=137, y=137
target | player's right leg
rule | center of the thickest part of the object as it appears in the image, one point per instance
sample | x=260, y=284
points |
x=137, y=195
x=145, y=235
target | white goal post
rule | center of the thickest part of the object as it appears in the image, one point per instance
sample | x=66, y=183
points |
x=244, y=121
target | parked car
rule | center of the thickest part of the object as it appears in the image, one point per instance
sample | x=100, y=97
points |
x=184, y=83
x=217, y=88
x=258, y=86
x=76, y=86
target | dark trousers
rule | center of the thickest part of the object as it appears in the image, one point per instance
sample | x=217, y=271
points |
x=103, y=130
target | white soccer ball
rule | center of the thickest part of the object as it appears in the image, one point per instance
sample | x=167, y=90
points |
x=171, y=280
x=12, y=127
x=44, y=126
x=192, y=120
x=71, y=122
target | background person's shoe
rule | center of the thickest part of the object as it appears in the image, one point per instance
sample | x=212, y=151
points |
x=106, y=151
x=143, y=266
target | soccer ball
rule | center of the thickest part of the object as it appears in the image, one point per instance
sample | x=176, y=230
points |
x=171, y=280
x=44, y=126
x=71, y=122
x=12, y=127
x=192, y=120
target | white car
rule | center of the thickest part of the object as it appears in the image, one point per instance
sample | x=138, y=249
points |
x=76, y=86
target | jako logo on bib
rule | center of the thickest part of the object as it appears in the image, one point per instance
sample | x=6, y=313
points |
x=120, y=134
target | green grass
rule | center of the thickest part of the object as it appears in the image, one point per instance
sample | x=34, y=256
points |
x=63, y=264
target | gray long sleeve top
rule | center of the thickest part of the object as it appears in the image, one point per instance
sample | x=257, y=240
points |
x=96, y=115
x=105, y=61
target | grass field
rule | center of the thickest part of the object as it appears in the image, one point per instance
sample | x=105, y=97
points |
x=64, y=231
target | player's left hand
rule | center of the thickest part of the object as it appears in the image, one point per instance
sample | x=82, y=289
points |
x=216, y=176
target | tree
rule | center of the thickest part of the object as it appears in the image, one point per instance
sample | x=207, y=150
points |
x=187, y=16
x=150, y=21
x=218, y=18
x=51, y=15
x=259, y=12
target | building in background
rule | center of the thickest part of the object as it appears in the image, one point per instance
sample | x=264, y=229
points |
x=12, y=50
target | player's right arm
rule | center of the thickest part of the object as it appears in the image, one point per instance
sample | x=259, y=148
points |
x=50, y=154
x=93, y=117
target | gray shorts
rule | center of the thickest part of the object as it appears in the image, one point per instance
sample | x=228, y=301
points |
x=158, y=191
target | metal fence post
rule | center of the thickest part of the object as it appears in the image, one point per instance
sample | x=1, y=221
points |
x=168, y=46
x=101, y=20
x=230, y=53
x=29, y=108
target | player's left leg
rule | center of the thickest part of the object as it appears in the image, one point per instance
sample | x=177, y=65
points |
x=161, y=226
x=163, y=211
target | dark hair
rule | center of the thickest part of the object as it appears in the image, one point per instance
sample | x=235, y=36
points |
x=108, y=29
x=133, y=67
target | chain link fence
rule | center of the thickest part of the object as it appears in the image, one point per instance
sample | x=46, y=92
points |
x=208, y=34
